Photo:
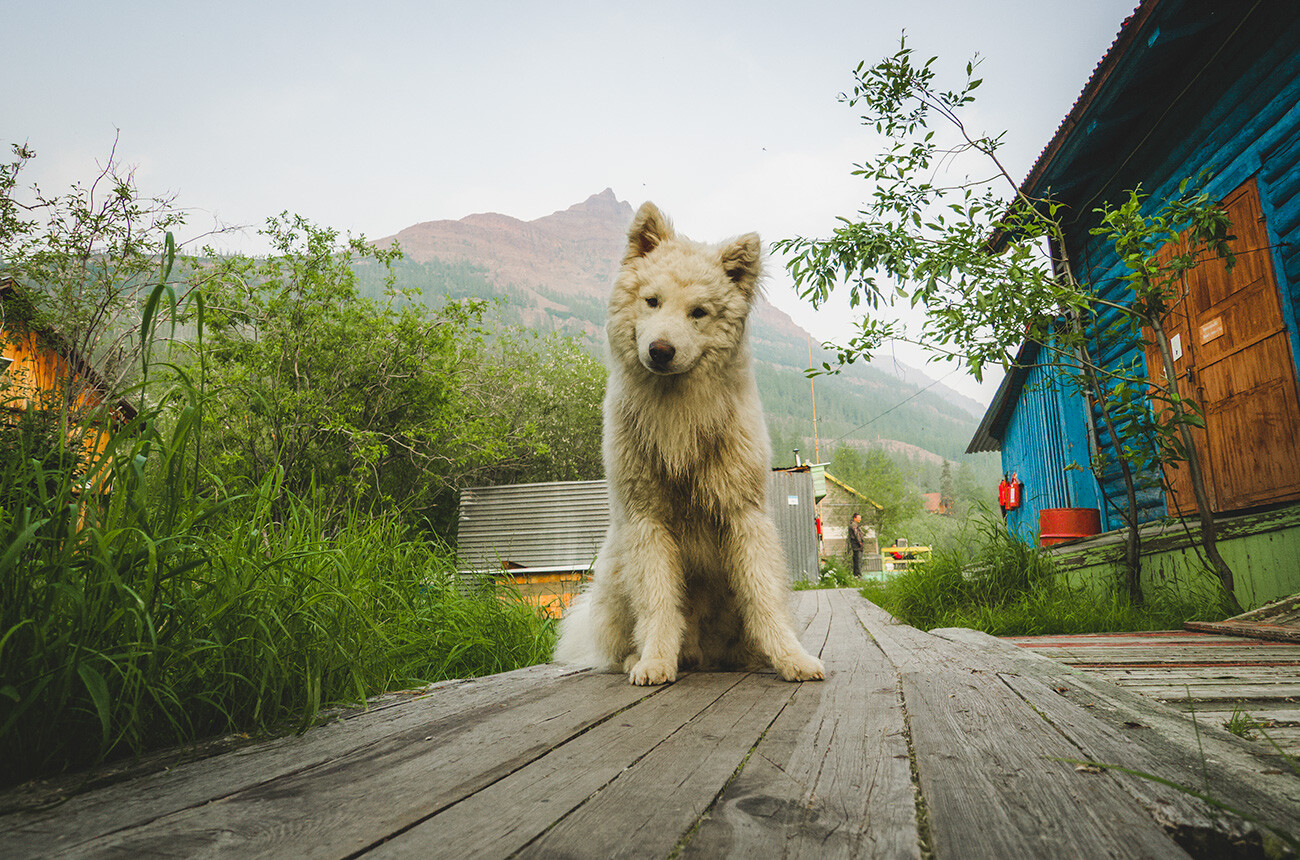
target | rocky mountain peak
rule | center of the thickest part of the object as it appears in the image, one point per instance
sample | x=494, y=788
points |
x=598, y=219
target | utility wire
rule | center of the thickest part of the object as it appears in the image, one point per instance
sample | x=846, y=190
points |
x=896, y=405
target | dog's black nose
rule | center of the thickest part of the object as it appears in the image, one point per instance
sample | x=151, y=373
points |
x=661, y=353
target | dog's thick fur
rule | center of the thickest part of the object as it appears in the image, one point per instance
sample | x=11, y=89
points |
x=691, y=573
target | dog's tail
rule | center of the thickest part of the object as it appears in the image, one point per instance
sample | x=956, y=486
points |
x=577, y=645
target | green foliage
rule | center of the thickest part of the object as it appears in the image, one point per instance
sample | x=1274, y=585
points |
x=547, y=392
x=233, y=558
x=877, y=476
x=158, y=615
x=1007, y=588
x=989, y=268
x=381, y=403
x=834, y=574
x=86, y=262
x=1242, y=724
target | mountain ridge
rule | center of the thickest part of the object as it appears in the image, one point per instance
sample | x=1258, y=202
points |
x=555, y=272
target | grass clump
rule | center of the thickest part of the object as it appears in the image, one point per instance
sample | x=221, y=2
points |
x=172, y=608
x=1008, y=588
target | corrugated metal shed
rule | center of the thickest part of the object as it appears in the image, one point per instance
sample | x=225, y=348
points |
x=791, y=501
x=552, y=526
x=559, y=526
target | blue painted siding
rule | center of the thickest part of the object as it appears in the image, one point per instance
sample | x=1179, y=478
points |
x=1046, y=444
x=1240, y=119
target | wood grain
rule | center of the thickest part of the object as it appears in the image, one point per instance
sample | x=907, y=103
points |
x=831, y=778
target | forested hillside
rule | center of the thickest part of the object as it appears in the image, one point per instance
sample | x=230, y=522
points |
x=560, y=287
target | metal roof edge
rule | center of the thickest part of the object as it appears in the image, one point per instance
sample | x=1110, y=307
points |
x=1003, y=403
x=1119, y=48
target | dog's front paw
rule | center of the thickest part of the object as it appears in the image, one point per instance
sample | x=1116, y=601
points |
x=650, y=672
x=800, y=666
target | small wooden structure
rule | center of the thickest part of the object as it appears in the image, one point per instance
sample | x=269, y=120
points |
x=836, y=509
x=945, y=745
x=39, y=370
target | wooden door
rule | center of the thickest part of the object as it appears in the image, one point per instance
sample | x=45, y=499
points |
x=1236, y=362
x=1180, y=497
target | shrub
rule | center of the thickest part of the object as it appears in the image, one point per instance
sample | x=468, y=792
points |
x=156, y=614
x=1008, y=588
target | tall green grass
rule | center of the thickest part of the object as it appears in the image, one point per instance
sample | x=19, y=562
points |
x=1005, y=587
x=169, y=607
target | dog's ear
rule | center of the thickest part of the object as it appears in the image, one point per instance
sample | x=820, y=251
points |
x=649, y=228
x=742, y=260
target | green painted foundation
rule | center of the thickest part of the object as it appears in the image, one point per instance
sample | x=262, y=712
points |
x=1263, y=550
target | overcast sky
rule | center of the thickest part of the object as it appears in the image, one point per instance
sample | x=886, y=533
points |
x=372, y=117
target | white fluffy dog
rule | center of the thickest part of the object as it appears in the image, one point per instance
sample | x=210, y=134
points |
x=691, y=572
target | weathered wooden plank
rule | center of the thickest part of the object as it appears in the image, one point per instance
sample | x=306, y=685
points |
x=1276, y=632
x=1265, y=676
x=1173, y=639
x=704, y=724
x=1198, y=827
x=647, y=810
x=831, y=778
x=1205, y=691
x=995, y=786
x=675, y=751
x=345, y=805
x=1281, y=712
x=1237, y=771
x=908, y=648
x=1248, y=656
x=1287, y=738
x=985, y=761
x=195, y=783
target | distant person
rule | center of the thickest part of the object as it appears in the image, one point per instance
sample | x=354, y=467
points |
x=855, y=544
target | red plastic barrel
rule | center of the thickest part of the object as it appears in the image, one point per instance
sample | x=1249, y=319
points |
x=1057, y=525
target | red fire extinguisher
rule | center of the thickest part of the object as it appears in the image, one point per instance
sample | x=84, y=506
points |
x=1009, y=492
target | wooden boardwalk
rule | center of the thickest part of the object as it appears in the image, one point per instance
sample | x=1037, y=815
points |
x=945, y=745
x=1210, y=678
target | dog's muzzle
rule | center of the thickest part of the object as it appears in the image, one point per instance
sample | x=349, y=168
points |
x=661, y=355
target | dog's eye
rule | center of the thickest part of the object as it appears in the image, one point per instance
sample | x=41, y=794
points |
x=652, y=302
x=698, y=313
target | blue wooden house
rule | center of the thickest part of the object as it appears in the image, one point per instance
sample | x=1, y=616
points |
x=1187, y=86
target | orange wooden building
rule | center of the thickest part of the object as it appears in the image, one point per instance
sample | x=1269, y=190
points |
x=39, y=370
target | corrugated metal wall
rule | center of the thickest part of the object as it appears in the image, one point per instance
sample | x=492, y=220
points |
x=562, y=524
x=558, y=524
x=792, y=504
x=1046, y=445
x=1243, y=121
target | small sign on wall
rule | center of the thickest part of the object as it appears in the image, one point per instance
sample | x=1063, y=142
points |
x=793, y=501
x=1212, y=329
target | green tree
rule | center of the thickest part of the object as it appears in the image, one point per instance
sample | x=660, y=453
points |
x=87, y=260
x=382, y=403
x=947, y=491
x=881, y=480
x=355, y=400
x=986, y=265
x=549, y=391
